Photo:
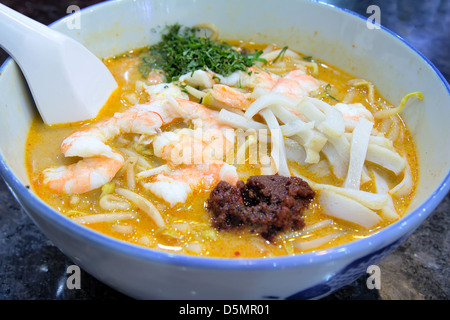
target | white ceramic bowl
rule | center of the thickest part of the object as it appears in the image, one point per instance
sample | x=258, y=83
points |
x=334, y=35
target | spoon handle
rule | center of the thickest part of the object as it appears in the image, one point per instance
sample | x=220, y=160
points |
x=21, y=35
x=67, y=81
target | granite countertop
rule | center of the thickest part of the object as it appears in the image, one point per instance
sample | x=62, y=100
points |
x=31, y=267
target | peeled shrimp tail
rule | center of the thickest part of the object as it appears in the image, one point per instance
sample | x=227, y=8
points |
x=83, y=176
x=100, y=163
x=92, y=141
x=175, y=186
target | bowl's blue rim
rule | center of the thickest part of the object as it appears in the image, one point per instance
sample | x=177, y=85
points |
x=358, y=247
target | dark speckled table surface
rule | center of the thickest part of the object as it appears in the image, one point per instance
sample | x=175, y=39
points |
x=31, y=267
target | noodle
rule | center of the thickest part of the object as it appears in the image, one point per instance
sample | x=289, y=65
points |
x=308, y=245
x=388, y=211
x=131, y=182
x=152, y=172
x=278, y=153
x=144, y=205
x=113, y=202
x=347, y=209
x=358, y=151
x=405, y=187
x=105, y=217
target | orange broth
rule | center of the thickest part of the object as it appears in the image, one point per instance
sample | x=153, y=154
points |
x=189, y=228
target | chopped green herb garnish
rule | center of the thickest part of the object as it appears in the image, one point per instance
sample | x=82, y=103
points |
x=148, y=63
x=328, y=87
x=281, y=54
x=183, y=88
x=325, y=93
x=181, y=51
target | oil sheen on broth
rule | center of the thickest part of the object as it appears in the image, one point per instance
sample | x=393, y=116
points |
x=188, y=228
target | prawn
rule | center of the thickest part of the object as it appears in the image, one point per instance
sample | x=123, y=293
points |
x=176, y=185
x=295, y=85
x=207, y=142
x=230, y=91
x=82, y=176
x=353, y=113
x=231, y=96
x=193, y=146
x=100, y=163
x=195, y=156
x=251, y=79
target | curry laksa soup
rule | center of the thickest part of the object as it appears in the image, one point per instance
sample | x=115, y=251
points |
x=229, y=149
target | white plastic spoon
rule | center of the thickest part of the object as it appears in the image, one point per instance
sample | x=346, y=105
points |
x=67, y=81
